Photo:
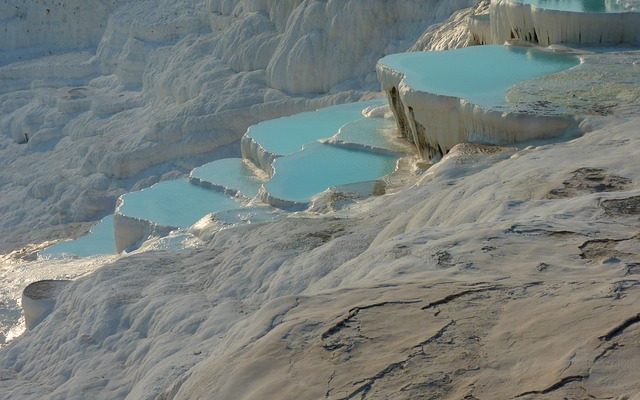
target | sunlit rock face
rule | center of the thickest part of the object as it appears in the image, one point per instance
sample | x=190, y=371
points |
x=578, y=22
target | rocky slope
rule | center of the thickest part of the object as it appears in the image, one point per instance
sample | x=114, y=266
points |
x=501, y=274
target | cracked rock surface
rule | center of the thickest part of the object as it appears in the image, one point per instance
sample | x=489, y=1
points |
x=471, y=284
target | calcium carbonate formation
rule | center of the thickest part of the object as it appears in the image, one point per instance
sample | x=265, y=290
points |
x=441, y=99
x=438, y=99
x=576, y=22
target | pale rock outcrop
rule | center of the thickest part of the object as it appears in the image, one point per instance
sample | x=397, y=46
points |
x=462, y=29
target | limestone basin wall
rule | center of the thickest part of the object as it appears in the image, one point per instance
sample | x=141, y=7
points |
x=480, y=29
x=435, y=123
x=39, y=299
x=131, y=232
x=254, y=152
x=511, y=20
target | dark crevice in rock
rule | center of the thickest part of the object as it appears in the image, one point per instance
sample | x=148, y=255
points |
x=558, y=385
x=397, y=107
x=619, y=329
x=455, y=296
x=436, y=336
x=602, y=248
x=605, y=352
x=632, y=269
x=535, y=231
x=589, y=180
x=356, y=310
x=627, y=206
x=366, y=385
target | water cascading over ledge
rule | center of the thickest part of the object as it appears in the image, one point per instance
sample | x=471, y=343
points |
x=441, y=99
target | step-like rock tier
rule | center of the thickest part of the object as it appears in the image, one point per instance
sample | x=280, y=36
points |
x=441, y=99
x=576, y=22
x=167, y=205
x=267, y=140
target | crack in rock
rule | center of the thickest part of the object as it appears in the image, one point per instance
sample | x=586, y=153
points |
x=589, y=180
x=619, y=329
x=599, y=248
x=356, y=310
x=627, y=206
x=558, y=385
x=455, y=296
x=367, y=384
x=605, y=352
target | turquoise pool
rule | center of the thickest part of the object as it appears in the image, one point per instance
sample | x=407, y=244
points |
x=229, y=173
x=175, y=203
x=287, y=135
x=99, y=241
x=479, y=74
x=302, y=175
x=595, y=6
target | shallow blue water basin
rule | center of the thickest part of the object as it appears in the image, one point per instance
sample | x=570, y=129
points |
x=594, y=6
x=302, y=175
x=99, y=241
x=231, y=174
x=175, y=203
x=287, y=135
x=479, y=74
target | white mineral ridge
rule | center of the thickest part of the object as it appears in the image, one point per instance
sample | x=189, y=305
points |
x=101, y=97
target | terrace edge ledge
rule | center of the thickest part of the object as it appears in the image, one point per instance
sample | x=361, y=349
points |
x=515, y=20
x=435, y=123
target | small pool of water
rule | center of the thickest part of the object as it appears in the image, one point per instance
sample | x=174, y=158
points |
x=287, y=135
x=99, y=241
x=479, y=74
x=374, y=133
x=594, y=6
x=302, y=175
x=230, y=173
x=175, y=203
